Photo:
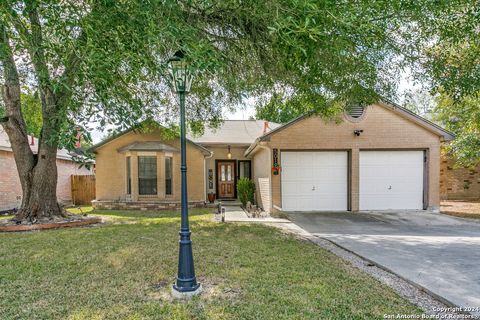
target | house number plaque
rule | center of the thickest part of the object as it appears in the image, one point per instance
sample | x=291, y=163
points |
x=276, y=167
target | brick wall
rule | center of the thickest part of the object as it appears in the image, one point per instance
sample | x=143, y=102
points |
x=458, y=183
x=144, y=205
x=111, y=169
x=11, y=190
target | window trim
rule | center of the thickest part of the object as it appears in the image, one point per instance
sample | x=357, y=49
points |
x=171, y=176
x=250, y=168
x=128, y=164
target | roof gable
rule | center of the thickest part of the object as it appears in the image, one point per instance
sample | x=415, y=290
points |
x=138, y=128
x=401, y=111
x=395, y=110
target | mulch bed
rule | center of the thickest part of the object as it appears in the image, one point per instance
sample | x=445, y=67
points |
x=10, y=226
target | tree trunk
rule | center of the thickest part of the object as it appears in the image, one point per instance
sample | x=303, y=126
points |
x=40, y=195
x=37, y=173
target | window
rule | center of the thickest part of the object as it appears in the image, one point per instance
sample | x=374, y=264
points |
x=222, y=170
x=129, y=176
x=168, y=175
x=147, y=175
x=244, y=170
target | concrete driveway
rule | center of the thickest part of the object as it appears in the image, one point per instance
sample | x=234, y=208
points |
x=440, y=253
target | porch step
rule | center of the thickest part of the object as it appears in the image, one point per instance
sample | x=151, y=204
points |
x=229, y=203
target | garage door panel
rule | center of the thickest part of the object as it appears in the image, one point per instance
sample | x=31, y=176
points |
x=391, y=180
x=295, y=188
x=314, y=180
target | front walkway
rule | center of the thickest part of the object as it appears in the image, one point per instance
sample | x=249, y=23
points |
x=235, y=213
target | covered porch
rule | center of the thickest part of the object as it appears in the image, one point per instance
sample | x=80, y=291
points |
x=223, y=170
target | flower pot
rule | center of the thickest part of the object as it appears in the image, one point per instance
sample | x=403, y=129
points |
x=211, y=197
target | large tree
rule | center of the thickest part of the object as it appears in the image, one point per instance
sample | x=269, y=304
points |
x=462, y=117
x=451, y=69
x=104, y=62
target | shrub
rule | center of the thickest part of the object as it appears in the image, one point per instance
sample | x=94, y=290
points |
x=245, y=190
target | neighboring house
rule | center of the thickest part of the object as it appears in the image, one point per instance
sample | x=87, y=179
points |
x=378, y=157
x=458, y=183
x=10, y=187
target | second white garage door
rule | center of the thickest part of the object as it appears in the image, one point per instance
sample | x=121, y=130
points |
x=391, y=180
x=314, y=180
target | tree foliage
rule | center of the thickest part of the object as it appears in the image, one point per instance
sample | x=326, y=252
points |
x=452, y=59
x=452, y=63
x=32, y=113
x=308, y=51
x=462, y=117
x=420, y=101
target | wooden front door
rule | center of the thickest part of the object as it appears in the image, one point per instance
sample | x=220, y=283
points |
x=226, y=179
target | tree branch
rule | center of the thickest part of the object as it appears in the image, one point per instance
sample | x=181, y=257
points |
x=13, y=121
x=37, y=52
x=72, y=65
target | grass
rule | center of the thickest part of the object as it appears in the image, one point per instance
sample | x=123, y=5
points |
x=123, y=269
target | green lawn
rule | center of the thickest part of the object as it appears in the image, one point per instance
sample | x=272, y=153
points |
x=122, y=270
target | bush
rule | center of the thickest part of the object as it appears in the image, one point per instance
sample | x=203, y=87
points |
x=245, y=190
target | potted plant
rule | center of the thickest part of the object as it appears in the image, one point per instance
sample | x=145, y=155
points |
x=276, y=170
x=211, y=197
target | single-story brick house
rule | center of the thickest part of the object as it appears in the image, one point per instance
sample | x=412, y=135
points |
x=377, y=157
x=10, y=187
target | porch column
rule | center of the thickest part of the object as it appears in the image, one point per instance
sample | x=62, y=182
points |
x=134, y=174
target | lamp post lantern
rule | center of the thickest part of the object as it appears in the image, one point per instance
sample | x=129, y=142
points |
x=186, y=283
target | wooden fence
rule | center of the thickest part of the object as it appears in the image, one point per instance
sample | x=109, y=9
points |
x=83, y=189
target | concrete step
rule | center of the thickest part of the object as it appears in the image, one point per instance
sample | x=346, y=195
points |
x=229, y=203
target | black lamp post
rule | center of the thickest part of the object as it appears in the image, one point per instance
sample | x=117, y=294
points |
x=186, y=283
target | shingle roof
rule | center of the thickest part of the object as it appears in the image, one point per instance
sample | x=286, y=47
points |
x=234, y=132
x=6, y=146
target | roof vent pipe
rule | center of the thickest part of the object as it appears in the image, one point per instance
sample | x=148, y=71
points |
x=265, y=127
x=78, y=142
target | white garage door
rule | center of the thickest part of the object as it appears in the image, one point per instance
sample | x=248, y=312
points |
x=391, y=180
x=314, y=180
